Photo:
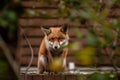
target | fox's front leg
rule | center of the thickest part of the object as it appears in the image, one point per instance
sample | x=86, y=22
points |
x=64, y=56
x=42, y=64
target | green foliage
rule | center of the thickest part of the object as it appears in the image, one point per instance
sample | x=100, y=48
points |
x=102, y=76
x=97, y=76
x=10, y=10
x=78, y=34
x=104, y=31
x=10, y=16
x=85, y=56
x=92, y=40
x=3, y=69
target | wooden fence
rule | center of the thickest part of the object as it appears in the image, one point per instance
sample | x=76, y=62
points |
x=31, y=26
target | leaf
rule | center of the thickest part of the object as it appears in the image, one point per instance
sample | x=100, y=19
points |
x=89, y=14
x=30, y=13
x=85, y=14
x=46, y=15
x=3, y=69
x=10, y=16
x=97, y=76
x=92, y=40
x=108, y=35
x=73, y=46
x=3, y=23
x=12, y=28
x=85, y=56
x=56, y=65
x=78, y=33
x=111, y=76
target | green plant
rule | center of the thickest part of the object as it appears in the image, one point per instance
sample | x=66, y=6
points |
x=103, y=32
x=10, y=10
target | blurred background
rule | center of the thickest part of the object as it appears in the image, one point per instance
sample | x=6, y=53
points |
x=94, y=29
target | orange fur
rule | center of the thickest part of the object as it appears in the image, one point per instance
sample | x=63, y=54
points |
x=52, y=46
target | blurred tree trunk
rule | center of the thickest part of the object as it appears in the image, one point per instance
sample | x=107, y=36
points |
x=8, y=67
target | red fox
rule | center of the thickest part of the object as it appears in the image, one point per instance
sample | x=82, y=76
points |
x=52, y=46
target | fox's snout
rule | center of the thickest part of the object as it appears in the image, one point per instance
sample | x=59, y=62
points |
x=55, y=44
x=56, y=47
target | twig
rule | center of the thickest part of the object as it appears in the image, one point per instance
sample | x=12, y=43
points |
x=9, y=57
x=112, y=54
x=31, y=49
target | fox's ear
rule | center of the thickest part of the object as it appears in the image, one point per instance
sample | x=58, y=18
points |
x=64, y=28
x=45, y=30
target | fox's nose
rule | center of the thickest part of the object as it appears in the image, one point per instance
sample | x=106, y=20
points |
x=55, y=47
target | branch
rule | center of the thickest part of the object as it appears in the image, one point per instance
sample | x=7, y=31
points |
x=9, y=57
x=112, y=54
x=32, y=53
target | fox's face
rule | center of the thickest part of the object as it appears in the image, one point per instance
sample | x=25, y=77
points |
x=56, y=37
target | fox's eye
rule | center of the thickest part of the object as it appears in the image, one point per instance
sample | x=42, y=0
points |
x=61, y=39
x=51, y=39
